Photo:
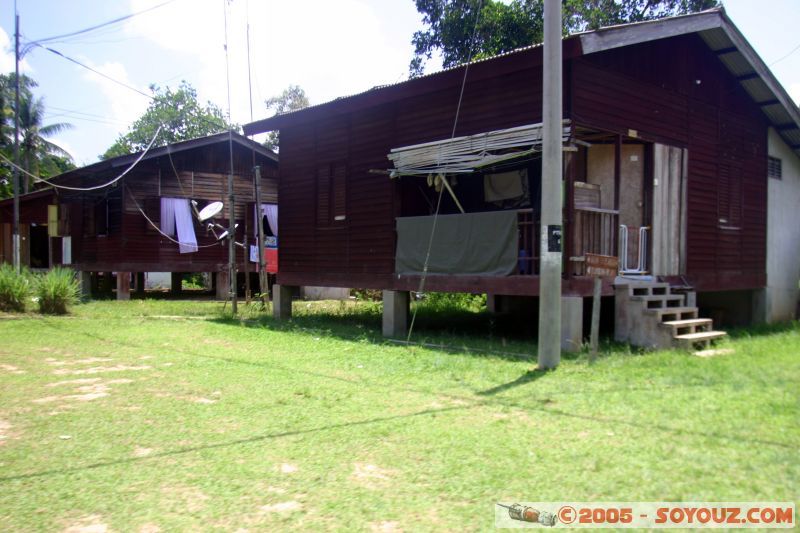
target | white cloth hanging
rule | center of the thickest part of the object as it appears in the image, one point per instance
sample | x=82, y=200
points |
x=176, y=214
x=271, y=212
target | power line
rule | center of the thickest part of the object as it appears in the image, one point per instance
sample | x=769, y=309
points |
x=795, y=49
x=444, y=178
x=56, y=52
x=95, y=187
x=98, y=26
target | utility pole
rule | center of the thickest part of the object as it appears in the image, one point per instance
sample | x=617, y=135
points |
x=262, y=268
x=550, y=262
x=232, y=245
x=16, y=240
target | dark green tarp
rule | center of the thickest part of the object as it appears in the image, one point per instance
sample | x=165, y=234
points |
x=472, y=243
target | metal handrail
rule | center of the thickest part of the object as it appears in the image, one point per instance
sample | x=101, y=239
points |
x=641, y=267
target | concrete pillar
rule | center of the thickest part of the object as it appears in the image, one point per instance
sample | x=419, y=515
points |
x=123, y=285
x=86, y=285
x=691, y=298
x=176, y=283
x=140, y=282
x=571, y=323
x=395, y=314
x=222, y=285
x=282, y=302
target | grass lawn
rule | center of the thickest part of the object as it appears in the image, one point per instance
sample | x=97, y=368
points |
x=161, y=415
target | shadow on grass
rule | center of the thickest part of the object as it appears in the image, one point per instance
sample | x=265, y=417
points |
x=236, y=442
x=762, y=330
x=527, y=377
x=457, y=331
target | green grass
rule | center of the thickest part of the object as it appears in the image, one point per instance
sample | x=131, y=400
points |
x=196, y=421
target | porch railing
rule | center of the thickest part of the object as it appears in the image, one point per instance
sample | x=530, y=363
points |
x=595, y=232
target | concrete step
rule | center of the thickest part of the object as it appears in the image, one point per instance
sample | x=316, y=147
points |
x=691, y=325
x=659, y=300
x=669, y=314
x=648, y=289
x=703, y=337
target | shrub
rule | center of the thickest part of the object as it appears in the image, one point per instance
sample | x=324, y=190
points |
x=15, y=289
x=57, y=290
x=453, y=301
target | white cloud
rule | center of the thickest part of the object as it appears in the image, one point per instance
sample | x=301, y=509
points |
x=124, y=105
x=329, y=48
x=7, y=55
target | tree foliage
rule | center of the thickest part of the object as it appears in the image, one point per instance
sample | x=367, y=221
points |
x=181, y=116
x=449, y=24
x=38, y=155
x=293, y=98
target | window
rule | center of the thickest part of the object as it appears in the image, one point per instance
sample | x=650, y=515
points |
x=729, y=198
x=774, y=168
x=331, y=195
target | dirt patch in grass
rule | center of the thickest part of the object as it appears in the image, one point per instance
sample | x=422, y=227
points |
x=140, y=451
x=288, y=468
x=86, y=361
x=100, y=369
x=11, y=369
x=5, y=431
x=149, y=528
x=385, y=527
x=82, y=381
x=190, y=498
x=85, y=392
x=88, y=524
x=282, y=507
x=370, y=476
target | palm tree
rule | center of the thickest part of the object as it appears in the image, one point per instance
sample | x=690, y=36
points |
x=37, y=154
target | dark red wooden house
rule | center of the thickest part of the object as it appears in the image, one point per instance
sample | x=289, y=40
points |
x=107, y=230
x=667, y=125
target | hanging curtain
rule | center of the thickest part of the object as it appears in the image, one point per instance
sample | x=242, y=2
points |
x=271, y=212
x=177, y=215
x=168, y=216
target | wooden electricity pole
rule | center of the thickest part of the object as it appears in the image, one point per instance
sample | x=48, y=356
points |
x=16, y=253
x=550, y=262
x=262, y=268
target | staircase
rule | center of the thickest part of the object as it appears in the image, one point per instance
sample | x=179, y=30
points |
x=649, y=315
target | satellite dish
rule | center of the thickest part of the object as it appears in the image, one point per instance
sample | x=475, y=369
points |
x=210, y=211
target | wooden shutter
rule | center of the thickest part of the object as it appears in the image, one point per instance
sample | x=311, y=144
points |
x=323, y=196
x=339, y=205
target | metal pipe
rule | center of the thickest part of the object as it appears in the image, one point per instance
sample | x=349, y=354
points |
x=549, y=343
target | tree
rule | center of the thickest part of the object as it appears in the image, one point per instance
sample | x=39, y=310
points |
x=293, y=98
x=38, y=155
x=179, y=113
x=503, y=27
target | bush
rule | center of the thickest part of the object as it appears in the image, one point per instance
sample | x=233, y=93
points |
x=57, y=290
x=15, y=289
x=452, y=301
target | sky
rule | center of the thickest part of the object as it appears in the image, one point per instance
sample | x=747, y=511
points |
x=329, y=48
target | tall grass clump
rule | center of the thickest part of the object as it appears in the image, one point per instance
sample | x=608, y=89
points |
x=15, y=288
x=57, y=290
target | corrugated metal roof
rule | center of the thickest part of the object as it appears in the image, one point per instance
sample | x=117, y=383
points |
x=713, y=26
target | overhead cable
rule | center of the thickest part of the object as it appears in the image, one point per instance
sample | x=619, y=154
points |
x=84, y=189
x=98, y=26
x=441, y=191
x=106, y=76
